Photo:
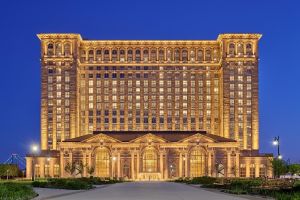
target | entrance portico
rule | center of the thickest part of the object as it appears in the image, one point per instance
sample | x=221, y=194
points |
x=153, y=155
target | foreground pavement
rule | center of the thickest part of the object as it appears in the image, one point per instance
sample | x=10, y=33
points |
x=144, y=191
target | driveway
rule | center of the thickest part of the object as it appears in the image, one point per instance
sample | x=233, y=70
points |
x=144, y=191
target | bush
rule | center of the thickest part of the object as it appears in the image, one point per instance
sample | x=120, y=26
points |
x=64, y=183
x=100, y=181
x=16, y=191
x=204, y=180
x=245, y=184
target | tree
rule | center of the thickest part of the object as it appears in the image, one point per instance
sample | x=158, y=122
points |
x=9, y=170
x=74, y=168
x=79, y=168
x=294, y=169
x=279, y=167
x=90, y=170
x=70, y=168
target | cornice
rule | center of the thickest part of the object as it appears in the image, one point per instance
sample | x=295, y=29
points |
x=255, y=36
x=42, y=36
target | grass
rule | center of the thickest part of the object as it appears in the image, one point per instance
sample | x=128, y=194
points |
x=73, y=183
x=278, y=189
x=16, y=191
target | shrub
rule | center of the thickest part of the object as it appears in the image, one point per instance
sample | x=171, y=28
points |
x=64, y=183
x=16, y=191
x=244, y=186
x=100, y=181
x=204, y=180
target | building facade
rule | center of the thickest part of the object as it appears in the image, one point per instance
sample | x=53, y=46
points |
x=150, y=109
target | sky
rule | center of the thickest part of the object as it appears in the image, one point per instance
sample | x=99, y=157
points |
x=278, y=21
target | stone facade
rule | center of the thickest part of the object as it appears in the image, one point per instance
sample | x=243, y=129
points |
x=192, y=105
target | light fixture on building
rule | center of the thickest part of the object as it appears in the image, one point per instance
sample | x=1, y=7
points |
x=34, y=148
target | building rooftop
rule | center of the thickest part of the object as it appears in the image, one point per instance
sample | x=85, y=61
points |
x=171, y=136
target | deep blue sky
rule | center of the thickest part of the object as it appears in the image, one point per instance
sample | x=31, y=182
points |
x=278, y=21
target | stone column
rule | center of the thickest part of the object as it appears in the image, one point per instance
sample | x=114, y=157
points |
x=166, y=176
x=237, y=164
x=257, y=169
x=214, y=156
x=137, y=164
x=70, y=157
x=209, y=164
x=62, y=166
x=132, y=166
x=180, y=164
x=161, y=164
x=84, y=164
x=42, y=167
x=119, y=165
x=28, y=167
x=113, y=171
x=51, y=167
x=247, y=169
x=186, y=165
x=228, y=163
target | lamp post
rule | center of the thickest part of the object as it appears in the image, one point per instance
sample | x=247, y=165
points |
x=34, y=150
x=277, y=143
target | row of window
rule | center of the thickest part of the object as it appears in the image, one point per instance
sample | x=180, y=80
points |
x=59, y=49
x=122, y=55
x=240, y=49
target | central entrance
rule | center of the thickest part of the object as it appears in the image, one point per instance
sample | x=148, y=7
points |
x=150, y=176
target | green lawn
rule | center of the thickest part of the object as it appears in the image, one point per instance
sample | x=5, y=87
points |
x=16, y=190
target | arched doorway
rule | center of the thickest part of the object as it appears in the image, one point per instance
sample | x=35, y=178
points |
x=197, y=162
x=102, y=163
x=150, y=160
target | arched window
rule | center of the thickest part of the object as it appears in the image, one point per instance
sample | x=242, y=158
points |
x=177, y=55
x=184, y=55
x=200, y=55
x=129, y=55
x=197, y=162
x=249, y=50
x=50, y=49
x=91, y=55
x=122, y=55
x=114, y=55
x=83, y=56
x=161, y=55
x=153, y=55
x=262, y=170
x=58, y=49
x=231, y=49
x=98, y=55
x=240, y=49
x=208, y=55
x=102, y=163
x=150, y=160
x=146, y=55
x=67, y=49
x=137, y=55
x=106, y=55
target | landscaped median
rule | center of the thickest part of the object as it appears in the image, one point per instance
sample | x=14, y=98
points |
x=16, y=191
x=277, y=188
x=73, y=183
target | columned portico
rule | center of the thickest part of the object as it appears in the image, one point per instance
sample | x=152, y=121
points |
x=148, y=156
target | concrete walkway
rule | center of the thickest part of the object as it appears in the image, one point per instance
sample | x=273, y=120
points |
x=140, y=191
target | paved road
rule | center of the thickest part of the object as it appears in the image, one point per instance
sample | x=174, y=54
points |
x=148, y=191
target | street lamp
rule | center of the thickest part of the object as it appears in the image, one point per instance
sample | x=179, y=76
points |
x=277, y=143
x=34, y=150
